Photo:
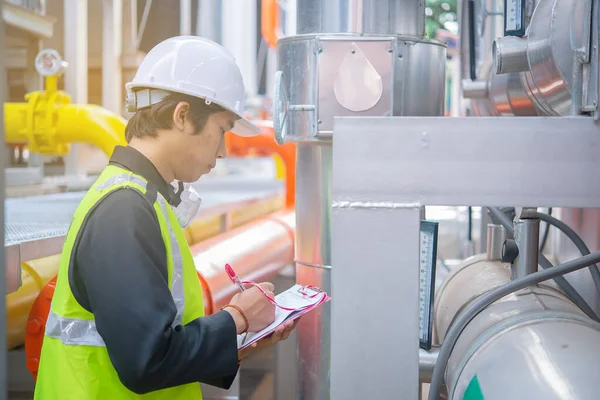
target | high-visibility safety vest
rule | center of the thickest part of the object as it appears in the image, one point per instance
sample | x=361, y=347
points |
x=74, y=362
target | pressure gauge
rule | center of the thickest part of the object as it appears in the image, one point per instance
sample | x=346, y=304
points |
x=514, y=17
x=427, y=264
x=48, y=63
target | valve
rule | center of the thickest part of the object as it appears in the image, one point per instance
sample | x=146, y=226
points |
x=43, y=105
x=510, y=251
x=48, y=62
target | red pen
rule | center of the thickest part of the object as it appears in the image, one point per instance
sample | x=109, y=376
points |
x=234, y=277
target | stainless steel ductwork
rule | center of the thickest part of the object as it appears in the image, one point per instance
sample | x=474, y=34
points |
x=552, y=55
x=352, y=58
x=491, y=94
x=533, y=344
x=541, y=73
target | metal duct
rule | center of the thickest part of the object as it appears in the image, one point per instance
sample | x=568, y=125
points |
x=354, y=58
x=557, y=47
x=497, y=95
x=402, y=17
x=533, y=344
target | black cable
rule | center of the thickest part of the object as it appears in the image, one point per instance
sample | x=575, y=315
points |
x=562, y=283
x=546, y=232
x=577, y=241
x=470, y=224
x=472, y=64
x=484, y=301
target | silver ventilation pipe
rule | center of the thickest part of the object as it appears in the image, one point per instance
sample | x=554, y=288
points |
x=350, y=58
x=491, y=93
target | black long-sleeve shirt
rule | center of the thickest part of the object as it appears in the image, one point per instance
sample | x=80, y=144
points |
x=119, y=273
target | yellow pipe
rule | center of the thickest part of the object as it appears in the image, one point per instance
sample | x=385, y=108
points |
x=27, y=123
x=279, y=167
x=35, y=275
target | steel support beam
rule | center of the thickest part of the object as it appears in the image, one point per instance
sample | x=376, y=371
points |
x=185, y=17
x=520, y=162
x=384, y=169
x=112, y=50
x=76, y=54
x=239, y=21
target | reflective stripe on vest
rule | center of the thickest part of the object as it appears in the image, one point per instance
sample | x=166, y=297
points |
x=73, y=331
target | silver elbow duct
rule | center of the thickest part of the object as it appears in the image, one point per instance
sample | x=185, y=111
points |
x=533, y=344
x=538, y=74
x=481, y=22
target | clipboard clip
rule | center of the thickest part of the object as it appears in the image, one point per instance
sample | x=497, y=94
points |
x=310, y=291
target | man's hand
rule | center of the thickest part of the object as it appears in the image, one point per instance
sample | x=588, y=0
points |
x=258, y=310
x=282, y=332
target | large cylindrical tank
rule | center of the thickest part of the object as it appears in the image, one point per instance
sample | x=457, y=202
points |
x=533, y=344
x=351, y=58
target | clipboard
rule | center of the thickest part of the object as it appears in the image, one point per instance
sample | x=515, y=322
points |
x=297, y=301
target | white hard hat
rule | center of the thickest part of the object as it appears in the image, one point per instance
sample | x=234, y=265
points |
x=194, y=66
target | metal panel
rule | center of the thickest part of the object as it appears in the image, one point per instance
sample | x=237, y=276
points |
x=537, y=161
x=374, y=353
x=311, y=65
x=339, y=62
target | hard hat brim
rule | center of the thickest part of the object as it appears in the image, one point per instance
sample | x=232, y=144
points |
x=245, y=128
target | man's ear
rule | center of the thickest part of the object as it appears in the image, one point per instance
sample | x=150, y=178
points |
x=180, y=115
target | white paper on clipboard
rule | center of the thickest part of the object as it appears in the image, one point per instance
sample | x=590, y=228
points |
x=301, y=298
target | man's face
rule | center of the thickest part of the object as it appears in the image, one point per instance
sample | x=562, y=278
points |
x=198, y=154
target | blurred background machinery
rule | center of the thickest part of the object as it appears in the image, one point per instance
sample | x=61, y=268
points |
x=477, y=116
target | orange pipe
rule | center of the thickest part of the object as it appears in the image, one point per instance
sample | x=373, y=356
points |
x=265, y=144
x=257, y=251
x=269, y=22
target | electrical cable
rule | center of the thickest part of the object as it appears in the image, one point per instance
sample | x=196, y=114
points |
x=577, y=241
x=484, y=301
x=562, y=283
x=546, y=232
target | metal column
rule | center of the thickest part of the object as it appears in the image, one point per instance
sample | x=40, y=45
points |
x=383, y=169
x=76, y=54
x=112, y=49
x=239, y=21
x=185, y=17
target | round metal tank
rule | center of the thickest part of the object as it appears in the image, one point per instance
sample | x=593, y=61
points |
x=532, y=344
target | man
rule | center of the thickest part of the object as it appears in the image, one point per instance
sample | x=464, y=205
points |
x=126, y=320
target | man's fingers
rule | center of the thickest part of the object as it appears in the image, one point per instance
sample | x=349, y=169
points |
x=267, y=286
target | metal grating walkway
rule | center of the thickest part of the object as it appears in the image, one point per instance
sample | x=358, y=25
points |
x=38, y=217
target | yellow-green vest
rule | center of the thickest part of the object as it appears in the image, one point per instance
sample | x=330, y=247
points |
x=74, y=362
